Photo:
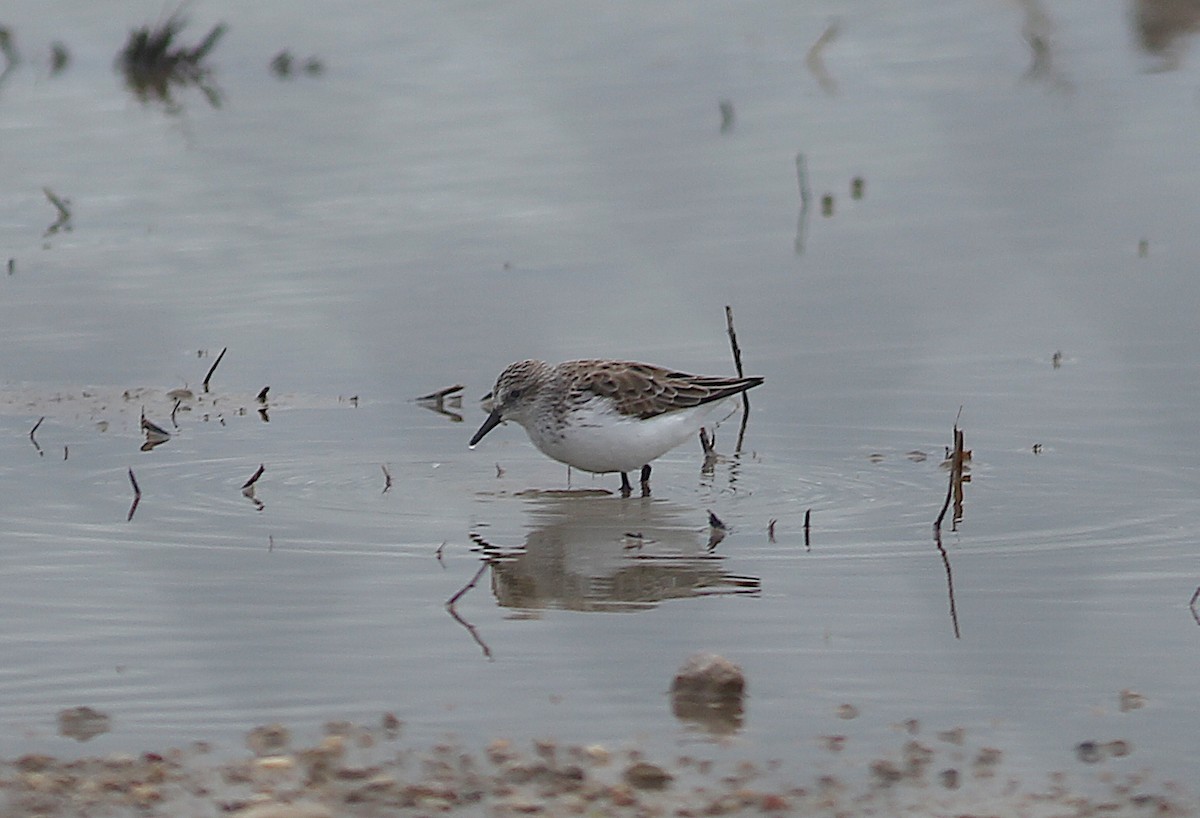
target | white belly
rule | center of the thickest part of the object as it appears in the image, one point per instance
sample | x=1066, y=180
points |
x=597, y=439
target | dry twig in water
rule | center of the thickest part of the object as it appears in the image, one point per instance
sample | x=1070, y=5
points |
x=213, y=368
x=254, y=477
x=805, y=199
x=441, y=399
x=387, y=479
x=737, y=362
x=453, y=611
x=137, y=496
x=63, y=222
x=816, y=62
x=33, y=440
x=955, y=488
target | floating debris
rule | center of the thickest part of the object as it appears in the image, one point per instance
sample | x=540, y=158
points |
x=846, y=711
x=152, y=62
x=33, y=439
x=60, y=58
x=63, y=222
x=283, y=65
x=387, y=479
x=82, y=723
x=1131, y=699
x=248, y=488
x=827, y=205
x=815, y=59
x=727, y=115
x=857, y=187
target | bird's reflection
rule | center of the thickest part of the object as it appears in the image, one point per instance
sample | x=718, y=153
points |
x=601, y=553
x=1162, y=26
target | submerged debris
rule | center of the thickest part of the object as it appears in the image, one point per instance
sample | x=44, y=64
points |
x=60, y=58
x=82, y=723
x=63, y=222
x=283, y=65
x=152, y=62
x=709, y=691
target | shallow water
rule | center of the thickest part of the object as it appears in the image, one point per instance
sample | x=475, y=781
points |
x=465, y=186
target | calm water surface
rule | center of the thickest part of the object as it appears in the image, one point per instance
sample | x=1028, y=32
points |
x=466, y=185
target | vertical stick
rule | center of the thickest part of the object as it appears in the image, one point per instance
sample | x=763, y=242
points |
x=737, y=362
x=213, y=368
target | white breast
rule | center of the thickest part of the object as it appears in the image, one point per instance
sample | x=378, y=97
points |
x=596, y=438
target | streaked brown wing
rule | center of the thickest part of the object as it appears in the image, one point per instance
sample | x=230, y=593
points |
x=645, y=390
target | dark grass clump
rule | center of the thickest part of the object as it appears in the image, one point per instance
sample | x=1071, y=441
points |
x=154, y=62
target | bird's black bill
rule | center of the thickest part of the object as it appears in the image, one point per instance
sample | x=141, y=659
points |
x=493, y=420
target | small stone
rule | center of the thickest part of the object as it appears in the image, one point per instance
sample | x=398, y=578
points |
x=269, y=739
x=82, y=723
x=709, y=676
x=956, y=736
x=1088, y=752
x=646, y=776
x=886, y=771
x=275, y=763
x=846, y=711
x=598, y=754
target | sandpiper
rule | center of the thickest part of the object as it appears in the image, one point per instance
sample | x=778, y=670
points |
x=604, y=416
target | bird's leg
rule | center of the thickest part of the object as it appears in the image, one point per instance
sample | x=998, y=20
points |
x=646, y=480
x=626, y=489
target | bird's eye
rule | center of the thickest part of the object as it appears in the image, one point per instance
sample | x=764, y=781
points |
x=514, y=394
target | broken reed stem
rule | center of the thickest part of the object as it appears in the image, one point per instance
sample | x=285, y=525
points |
x=32, y=439
x=64, y=212
x=442, y=393
x=452, y=601
x=254, y=477
x=805, y=197
x=387, y=479
x=937, y=538
x=213, y=368
x=737, y=352
x=954, y=489
x=137, y=496
x=737, y=362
